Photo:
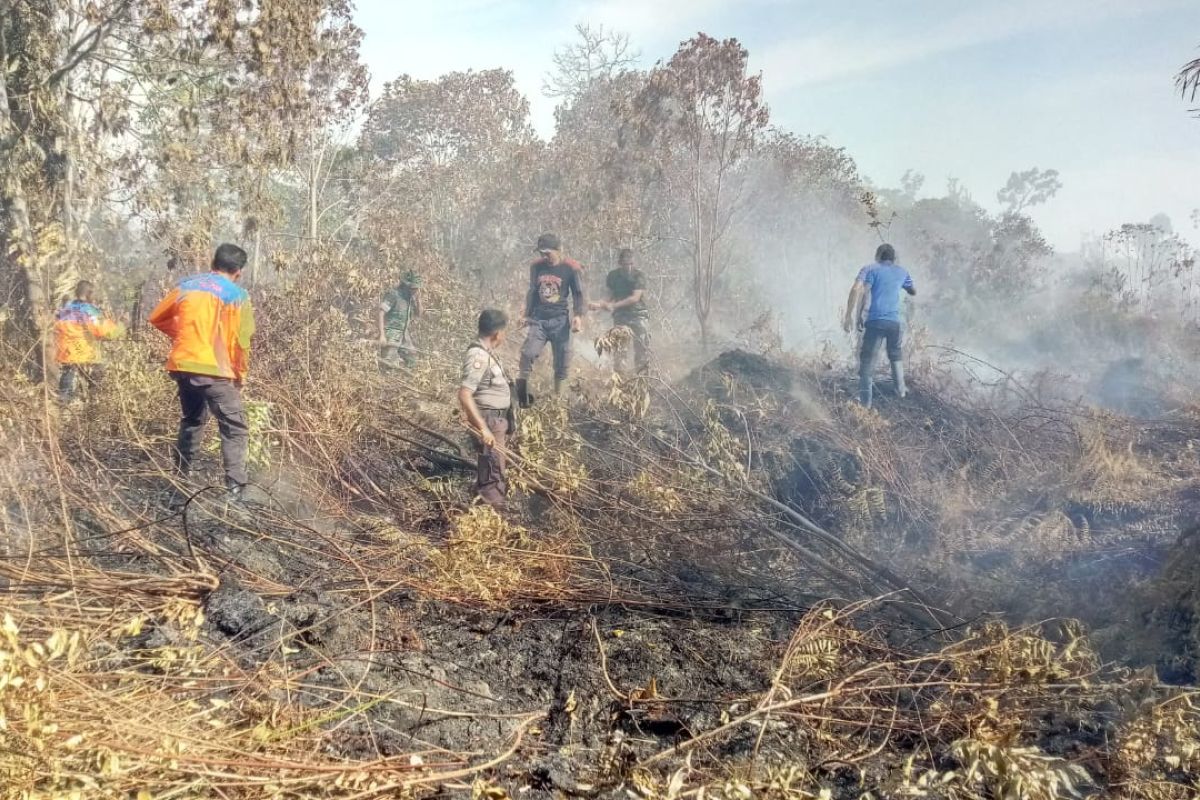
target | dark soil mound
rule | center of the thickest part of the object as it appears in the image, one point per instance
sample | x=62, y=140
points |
x=745, y=369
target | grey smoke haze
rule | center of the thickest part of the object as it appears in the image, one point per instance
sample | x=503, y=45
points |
x=971, y=90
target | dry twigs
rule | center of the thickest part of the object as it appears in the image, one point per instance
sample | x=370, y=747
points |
x=328, y=640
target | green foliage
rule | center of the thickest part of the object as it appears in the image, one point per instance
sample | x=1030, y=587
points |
x=258, y=417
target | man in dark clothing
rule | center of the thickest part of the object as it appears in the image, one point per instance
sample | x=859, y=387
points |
x=627, y=288
x=548, y=315
x=485, y=398
x=881, y=283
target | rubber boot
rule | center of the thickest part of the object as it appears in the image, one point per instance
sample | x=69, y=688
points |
x=898, y=379
x=865, y=387
x=524, y=398
x=558, y=385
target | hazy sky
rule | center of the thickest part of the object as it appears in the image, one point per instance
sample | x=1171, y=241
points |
x=971, y=89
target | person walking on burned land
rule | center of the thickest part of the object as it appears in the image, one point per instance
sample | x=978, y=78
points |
x=849, y=324
x=882, y=283
x=627, y=292
x=555, y=290
x=397, y=310
x=210, y=322
x=485, y=396
x=78, y=326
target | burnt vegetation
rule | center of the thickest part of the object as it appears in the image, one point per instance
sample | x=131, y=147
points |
x=725, y=579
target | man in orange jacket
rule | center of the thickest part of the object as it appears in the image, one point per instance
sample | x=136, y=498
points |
x=77, y=327
x=210, y=322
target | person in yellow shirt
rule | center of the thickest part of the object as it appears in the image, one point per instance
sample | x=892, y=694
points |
x=210, y=321
x=78, y=327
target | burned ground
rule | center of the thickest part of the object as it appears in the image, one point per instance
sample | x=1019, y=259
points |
x=758, y=587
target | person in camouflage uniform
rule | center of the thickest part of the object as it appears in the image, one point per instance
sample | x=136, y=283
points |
x=397, y=310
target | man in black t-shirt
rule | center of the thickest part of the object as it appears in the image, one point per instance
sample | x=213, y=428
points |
x=627, y=290
x=548, y=320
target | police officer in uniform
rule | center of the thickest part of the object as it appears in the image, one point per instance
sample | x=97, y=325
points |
x=486, y=400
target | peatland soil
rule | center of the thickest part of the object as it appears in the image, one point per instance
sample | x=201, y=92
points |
x=728, y=582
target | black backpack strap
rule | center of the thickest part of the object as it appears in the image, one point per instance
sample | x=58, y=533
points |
x=478, y=346
x=510, y=413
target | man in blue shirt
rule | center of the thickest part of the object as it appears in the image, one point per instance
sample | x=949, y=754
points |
x=882, y=282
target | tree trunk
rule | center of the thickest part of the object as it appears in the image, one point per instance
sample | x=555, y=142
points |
x=135, y=313
x=312, y=203
x=20, y=251
x=29, y=119
x=316, y=158
x=257, y=254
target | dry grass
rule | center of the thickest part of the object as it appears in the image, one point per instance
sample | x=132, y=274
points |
x=486, y=559
x=112, y=684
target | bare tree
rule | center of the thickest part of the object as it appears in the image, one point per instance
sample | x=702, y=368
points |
x=595, y=55
x=705, y=114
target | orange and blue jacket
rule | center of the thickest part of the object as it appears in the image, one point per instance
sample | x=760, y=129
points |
x=77, y=326
x=210, y=322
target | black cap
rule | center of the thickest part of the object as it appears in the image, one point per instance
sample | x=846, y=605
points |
x=548, y=241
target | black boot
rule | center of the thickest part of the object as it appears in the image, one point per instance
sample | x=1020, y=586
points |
x=523, y=395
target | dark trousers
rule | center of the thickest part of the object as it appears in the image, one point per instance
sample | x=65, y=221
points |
x=555, y=332
x=69, y=375
x=875, y=333
x=489, y=472
x=640, y=343
x=200, y=397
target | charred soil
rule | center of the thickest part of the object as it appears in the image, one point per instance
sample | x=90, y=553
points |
x=758, y=588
